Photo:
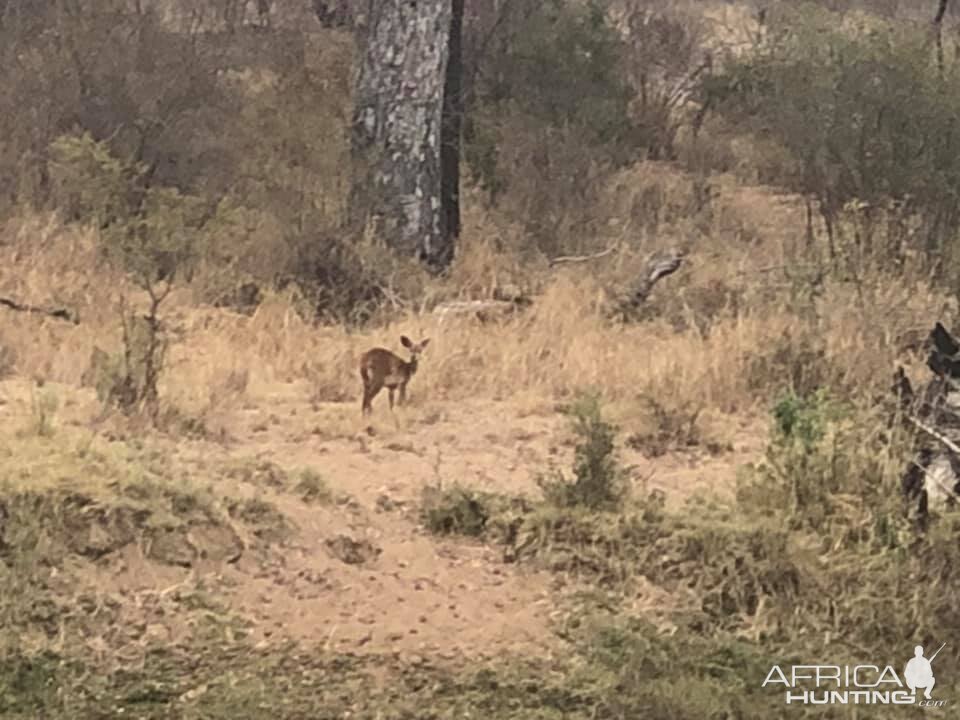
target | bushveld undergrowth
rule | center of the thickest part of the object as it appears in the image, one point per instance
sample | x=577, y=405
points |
x=846, y=337
x=814, y=558
x=808, y=299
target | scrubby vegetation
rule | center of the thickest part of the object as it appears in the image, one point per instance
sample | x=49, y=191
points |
x=176, y=183
x=813, y=558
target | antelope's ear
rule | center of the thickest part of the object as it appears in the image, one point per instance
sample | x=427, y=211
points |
x=405, y=341
x=424, y=343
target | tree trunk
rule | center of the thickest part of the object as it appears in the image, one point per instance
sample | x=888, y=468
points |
x=397, y=128
x=453, y=104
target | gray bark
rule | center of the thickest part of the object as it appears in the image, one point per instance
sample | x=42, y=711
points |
x=451, y=133
x=659, y=266
x=397, y=127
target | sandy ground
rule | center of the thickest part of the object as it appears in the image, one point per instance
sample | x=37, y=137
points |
x=406, y=592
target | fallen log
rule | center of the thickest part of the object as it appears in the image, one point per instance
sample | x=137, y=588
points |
x=659, y=266
x=509, y=300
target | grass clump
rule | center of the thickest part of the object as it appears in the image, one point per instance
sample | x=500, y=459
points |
x=313, y=488
x=44, y=405
x=604, y=549
x=28, y=685
x=673, y=427
x=8, y=359
x=268, y=523
x=459, y=510
x=640, y=671
x=230, y=679
x=260, y=473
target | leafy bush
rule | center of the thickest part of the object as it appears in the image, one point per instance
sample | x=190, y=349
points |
x=563, y=69
x=154, y=234
x=90, y=184
x=828, y=469
x=599, y=482
x=150, y=232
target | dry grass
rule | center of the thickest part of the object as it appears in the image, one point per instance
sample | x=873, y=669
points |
x=725, y=333
x=720, y=341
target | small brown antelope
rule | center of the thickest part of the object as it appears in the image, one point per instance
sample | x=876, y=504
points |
x=380, y=367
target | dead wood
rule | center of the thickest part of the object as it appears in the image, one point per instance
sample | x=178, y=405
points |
x=59, y=313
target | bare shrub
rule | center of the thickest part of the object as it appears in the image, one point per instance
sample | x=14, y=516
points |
x=872, y=136
x=671, y=427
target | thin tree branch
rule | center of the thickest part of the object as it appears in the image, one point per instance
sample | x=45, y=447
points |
x=582, y=258
x=937, y=435
x=59, y=313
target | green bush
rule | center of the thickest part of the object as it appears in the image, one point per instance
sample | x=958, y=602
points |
x=151, y=232
x=831, y=469
x=599, y=481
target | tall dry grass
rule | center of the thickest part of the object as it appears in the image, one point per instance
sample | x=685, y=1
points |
x=723, y=335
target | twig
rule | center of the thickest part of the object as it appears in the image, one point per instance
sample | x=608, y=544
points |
x=774, y=268
x=950, y=493
x=472, y=307
x=954, y=385
x=59, y=313
x=947, y=442
x=581, y=258
x=326, y=645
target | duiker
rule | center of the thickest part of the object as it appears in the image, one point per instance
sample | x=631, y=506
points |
x=380, y=367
